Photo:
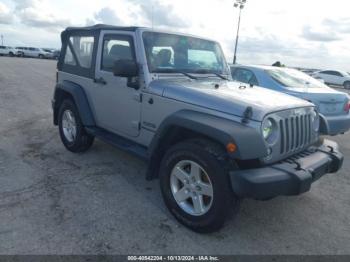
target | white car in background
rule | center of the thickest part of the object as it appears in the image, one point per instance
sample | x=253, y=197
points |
x=332, y=77
x=50, y=52
x=7, y=50
x=32, y=52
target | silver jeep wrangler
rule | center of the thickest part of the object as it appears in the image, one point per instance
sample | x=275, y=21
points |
x=167, y=98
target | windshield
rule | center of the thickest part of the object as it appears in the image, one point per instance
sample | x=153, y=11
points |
x=294, y=78
x=168, y=53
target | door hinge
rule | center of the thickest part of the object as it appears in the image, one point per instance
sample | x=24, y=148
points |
x=136, y=125
x=138, y=97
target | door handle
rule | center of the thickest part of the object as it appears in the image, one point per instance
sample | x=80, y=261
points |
x=100, y=81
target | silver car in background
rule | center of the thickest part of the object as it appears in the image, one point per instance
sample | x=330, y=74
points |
x=32, y=52
x=332, y=105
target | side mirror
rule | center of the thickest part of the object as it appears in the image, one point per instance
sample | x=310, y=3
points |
x=125, y=68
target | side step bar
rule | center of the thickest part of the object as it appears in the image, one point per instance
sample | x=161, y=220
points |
x=119, y=142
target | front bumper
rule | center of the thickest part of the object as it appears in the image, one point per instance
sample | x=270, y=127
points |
x=337, y=124
x=293, y=176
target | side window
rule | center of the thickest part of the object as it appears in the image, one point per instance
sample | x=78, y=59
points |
x=332, y=73
x=116, y=48
x=69, y=59
x=83, y=48
x=337, y=74
x=245, y=76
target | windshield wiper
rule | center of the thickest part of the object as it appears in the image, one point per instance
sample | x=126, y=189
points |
x=221, y=76
x=189, y=75
x=204, y=71
x=164, y=70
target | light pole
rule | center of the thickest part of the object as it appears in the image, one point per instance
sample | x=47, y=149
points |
x=240, y=5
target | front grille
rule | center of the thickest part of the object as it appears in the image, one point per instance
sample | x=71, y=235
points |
x=295, y=133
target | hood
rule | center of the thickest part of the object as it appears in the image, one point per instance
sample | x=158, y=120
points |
x=230, y=97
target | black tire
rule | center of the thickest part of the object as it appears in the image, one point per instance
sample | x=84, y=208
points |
x=347, y=85
x=212, y=158
x=82, y=141
x=41, y=56
x=11, y=54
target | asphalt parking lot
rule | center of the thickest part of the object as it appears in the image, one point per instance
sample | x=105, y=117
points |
x=56, y=202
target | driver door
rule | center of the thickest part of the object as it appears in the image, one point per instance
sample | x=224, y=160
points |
x=117, y=107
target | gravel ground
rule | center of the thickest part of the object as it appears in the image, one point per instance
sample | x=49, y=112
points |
x=56, y=202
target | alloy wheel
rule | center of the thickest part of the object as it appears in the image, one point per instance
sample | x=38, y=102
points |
x=191, y=188
x=69, y=126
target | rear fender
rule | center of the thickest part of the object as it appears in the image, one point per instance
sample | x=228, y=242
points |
x=68, y=89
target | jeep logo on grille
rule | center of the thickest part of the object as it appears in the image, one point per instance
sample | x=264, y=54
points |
x=298, y=112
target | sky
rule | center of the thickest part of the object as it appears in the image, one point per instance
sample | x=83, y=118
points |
x=300, y=33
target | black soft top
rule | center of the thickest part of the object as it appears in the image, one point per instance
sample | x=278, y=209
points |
x=99, y=27
x=93, y=31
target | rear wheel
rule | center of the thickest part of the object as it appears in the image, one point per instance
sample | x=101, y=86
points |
x=72, y=131
x=195, y=185
x=347, y=85
x=11, y=54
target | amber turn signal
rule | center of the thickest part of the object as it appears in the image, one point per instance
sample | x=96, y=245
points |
x=231, y=147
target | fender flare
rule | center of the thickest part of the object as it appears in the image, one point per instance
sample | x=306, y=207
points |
x=249, y=142
x=324, y=126
x=80, y=100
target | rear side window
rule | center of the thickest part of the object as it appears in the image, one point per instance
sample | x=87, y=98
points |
x=79, y=53
x=337, y=74
x=83, y=48
x=69, y=59
x=333, y=73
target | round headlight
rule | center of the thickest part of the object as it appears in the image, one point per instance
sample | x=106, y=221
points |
x=267, y=129
x=315, y=118
x=270, y=131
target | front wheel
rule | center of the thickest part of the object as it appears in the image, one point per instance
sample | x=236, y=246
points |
x=41, y=56
x=195, y=185
x=347, y=85
x=72, y=131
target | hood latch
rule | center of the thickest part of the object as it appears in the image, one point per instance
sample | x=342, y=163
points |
x=247, y=115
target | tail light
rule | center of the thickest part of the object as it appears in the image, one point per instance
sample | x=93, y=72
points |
x=347, y=107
